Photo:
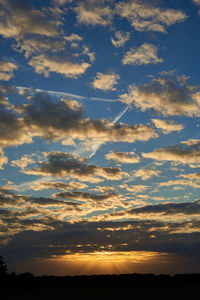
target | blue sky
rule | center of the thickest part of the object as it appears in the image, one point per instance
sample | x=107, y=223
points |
x=99, y=134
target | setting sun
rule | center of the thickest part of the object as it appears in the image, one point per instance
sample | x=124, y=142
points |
x=105, y=262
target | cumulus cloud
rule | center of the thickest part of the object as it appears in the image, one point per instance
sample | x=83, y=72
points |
x=65, y=120
x=145, y=16
x=36, y=45
x=44, y=64
x=137, y=188
x=23, y=162
x=93, y=13
x=3, y=159
x=65, y=165
x=145, y=174
x=178, y=154
x=105, y=81
x=143, y=55
x=61, y=120
x=167, y=126
x=120, y=38
x=12, y=128
x=123, y=157
x=19, y=20
x=167, y=94
x=6, y=70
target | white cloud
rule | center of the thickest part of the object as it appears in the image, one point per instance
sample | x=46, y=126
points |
x=180, y=182
x=137, y=188
x=145, y=54
x=167, y=94
x=120, y=38
x=19, y=20
x=123, y=157
x=93, y=14
x=3, y=159
x=6, y=70
x=44, y=64
x=190, y=155
x=145, y=174
x=144, y=16
x=23, y=162
x=167, y=126
x=105, y=81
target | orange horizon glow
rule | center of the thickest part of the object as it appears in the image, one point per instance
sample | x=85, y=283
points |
x=106, y=262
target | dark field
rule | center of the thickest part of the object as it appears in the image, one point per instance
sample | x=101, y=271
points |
x=27, y=286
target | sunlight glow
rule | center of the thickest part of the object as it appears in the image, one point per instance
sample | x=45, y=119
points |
x=106, y=262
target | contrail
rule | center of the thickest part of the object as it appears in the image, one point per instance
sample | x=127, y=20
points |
x=96, y=146
x=65, y=94
x=120, y=115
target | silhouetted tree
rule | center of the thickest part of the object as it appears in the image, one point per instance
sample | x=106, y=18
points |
x=3, y=267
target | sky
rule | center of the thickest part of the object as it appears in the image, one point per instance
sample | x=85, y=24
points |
x=99, y=136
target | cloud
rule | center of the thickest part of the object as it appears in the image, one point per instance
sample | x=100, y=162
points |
x=65, y=120
x=144, y=16
x=90, y=54
x=93, y=13
x=120, y=38
x=60, y=120
x=191, y=142
x=165, y=212
x=74, y=37
x=23, y=162
x=137, y=188
x=167, y=94
x=44, y=64
x=105, y=82
x=85, y=196
x=65, y=165
x=73, y=185
x=197, y=2
x=123, y=157
x=20, y=20
x=36, y=45
x=145, y=174
x=12, y=128
x=145, y=54
x=6, y=70
x=178, y=154
x=3, y=159
x=167, y=126
x=179, y=182
x=186, y=208
x=191, y=176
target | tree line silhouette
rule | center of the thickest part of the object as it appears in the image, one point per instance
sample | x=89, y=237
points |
x=47, y=284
